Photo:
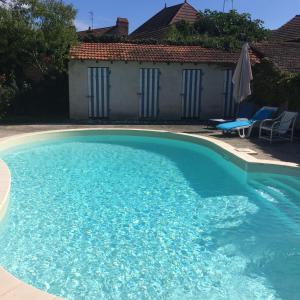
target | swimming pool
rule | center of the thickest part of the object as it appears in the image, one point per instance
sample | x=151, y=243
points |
x=124, y=216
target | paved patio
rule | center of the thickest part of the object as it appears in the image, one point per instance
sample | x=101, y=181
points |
x=283, y=151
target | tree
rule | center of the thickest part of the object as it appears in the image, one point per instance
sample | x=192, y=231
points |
x=222, y=30
x=37, y=33
x=35, y=40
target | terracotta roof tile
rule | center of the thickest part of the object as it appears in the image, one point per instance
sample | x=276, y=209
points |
x=187, y=13
x=156, y=26
x=119, y=30
x=288, y=32
x=153, y=53
x=97, y=32
x=285, y=55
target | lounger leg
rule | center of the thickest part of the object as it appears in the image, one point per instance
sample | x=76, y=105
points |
x=249, y=131
x=271, y=136
x=260, y=132
x=241, y=133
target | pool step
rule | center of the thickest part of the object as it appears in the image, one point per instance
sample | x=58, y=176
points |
x=285, y=189
x=280, y=201
x=289, y=185
x=279, y=189
x=277, y=192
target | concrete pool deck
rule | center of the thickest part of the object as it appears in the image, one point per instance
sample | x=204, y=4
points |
x=12, y=288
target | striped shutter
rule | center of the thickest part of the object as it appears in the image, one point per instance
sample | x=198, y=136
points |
x=149, y=93
x=191, y=93
x=229, y=103
x=98, y=85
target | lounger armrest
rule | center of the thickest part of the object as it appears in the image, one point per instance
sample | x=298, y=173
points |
x=273, y=120
x=275, y=124
x=262, y=123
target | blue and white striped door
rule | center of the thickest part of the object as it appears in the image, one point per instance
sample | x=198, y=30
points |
x=98, y=85
x=229, y=103
x=191, y=93
x=149, y=93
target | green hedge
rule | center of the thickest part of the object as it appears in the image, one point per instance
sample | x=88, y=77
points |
x=46, y=97
x=272, y=86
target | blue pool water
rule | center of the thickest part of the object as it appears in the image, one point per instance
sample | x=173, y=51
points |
x=133, y=217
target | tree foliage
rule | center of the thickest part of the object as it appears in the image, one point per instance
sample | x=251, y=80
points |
x=220, y=30
x=274, y=87
x=7, y=92
x=35, y=39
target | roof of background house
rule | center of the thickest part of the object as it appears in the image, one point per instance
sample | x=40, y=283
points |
x=97, y=32
x=158, y=25
x=284, y=55
x=153, y=53
x=120, y=29
x=288, y=32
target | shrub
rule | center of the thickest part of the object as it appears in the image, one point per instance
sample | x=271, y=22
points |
x=294, y=92
x=272, y=86
x=7, y=94
x=219, y=30
x=46, y=97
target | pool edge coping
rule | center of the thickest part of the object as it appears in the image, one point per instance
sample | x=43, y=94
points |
x=12, y=285
x=5, y=183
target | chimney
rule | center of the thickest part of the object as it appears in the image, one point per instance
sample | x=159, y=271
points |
x=122, y=27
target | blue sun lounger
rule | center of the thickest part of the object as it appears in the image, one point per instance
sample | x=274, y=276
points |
x=241, y=125
x=245, y=111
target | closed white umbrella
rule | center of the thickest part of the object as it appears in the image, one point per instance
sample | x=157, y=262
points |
x=242, y=76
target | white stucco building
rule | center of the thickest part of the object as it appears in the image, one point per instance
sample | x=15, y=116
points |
x=127, y=81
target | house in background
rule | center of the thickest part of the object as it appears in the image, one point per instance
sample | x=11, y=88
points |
x=284, y=55
x=124, y=81
x=127, y=81
x=283, y=48
x=119, y=30
x=159, y=25
x=289, y=32
x=133, y=81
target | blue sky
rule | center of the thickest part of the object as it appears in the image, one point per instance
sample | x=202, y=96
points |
x=273, y=12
